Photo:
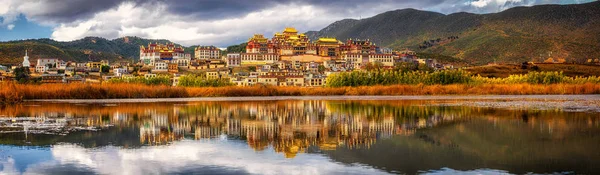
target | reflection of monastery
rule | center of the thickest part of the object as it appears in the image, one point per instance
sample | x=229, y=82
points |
x=289, y=127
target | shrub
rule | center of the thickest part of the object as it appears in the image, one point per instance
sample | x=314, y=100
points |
x=370, y=78
x=159, y=80
x=202, y=81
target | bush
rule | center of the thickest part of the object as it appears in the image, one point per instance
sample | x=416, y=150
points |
x=202, y=81
x=449, y=77
x=159, y=80
x=370, y=78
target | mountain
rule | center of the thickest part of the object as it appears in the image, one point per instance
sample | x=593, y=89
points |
x=570, y=32
x=515, y=35
x=86, y=49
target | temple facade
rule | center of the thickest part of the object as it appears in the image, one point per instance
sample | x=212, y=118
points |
x=291, y=43
x=207, y=52
x=289, y=49
x=259, y=44
x=168, y=53
x=328, y=47
x=364, y=47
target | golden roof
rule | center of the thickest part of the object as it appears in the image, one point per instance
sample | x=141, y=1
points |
x=329, y=40
x=258, y=37
x=290, y=30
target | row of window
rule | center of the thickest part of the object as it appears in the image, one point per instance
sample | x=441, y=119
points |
x=258, y=57
x=383, y=60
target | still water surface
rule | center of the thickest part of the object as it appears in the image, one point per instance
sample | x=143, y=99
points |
x=295, y=137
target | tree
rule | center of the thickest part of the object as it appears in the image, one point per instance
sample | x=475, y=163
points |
x=135, y=70
x=105, y=69
x=369, y=66
x=425, y=68
x=524, y=65
x=321, y=68
x=374, y=66
x=22, y=74
x=378, y=65
x=252, y=68
x=240, y=48
x=405, y=67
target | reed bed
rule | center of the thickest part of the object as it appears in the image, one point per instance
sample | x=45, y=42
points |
x=15, y=93
x=9, y=94
x=10, y=91
x=447, y=77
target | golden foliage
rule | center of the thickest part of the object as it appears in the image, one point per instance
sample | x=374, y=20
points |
x=90, y=91
x=9, y=94
x=14, y=93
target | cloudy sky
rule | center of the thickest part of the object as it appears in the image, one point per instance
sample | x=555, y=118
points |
x=183, y=157
x=207, y=22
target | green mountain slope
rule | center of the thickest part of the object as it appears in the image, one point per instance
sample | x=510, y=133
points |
x=571, y=32
x=86, y=49
x=515, y=35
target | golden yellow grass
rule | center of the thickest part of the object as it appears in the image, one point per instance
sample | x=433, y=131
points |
x=14, y=93
x=505, y=70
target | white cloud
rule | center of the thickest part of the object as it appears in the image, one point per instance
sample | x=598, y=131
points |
x=154, y=21
x=8, y=12
x=158, y=20
x=8, y=166
x=499, y=5
x=10, y=26
x=175, y=157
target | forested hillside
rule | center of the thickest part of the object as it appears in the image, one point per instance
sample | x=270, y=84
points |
x=570, y=32
x=86, y=49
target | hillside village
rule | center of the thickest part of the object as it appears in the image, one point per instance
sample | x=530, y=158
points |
x=286, y=59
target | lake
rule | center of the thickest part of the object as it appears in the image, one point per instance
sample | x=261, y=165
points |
x=304, y=135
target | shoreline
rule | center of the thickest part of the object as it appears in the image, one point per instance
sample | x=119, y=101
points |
x=589, y=97
x=564, y=103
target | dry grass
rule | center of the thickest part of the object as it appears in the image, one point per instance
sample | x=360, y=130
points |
x=14, y=93
x=90, y=91
x=505, y=70
x=9, y=94
x=234, y=91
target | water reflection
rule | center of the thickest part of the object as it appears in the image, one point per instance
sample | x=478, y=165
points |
x=307, y=137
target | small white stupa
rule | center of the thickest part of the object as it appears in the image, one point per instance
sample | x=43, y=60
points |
x=26, y=60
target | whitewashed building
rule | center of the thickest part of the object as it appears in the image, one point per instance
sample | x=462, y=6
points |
x=41, y=68
x=161, y=66
x=47, y=62
x=384, y=59
x=207, y=53
x=354, y=61
x=120, y=72
x=234, y=60
x=164, y=52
